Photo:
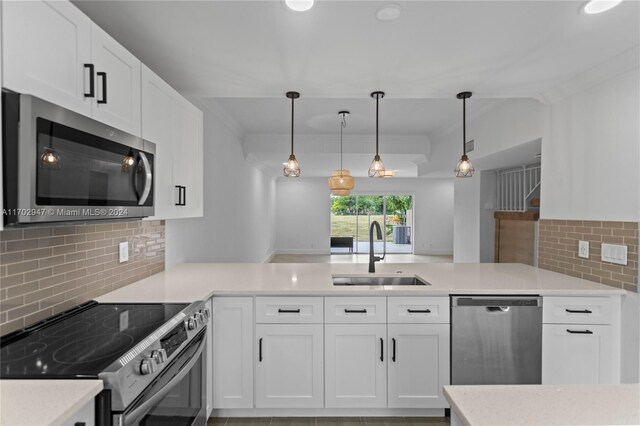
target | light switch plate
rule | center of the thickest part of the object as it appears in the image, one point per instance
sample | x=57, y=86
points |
x=124, y=252
x=583, y=249
x=614, y=253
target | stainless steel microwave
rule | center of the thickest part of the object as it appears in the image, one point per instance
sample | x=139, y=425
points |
x=62, y=166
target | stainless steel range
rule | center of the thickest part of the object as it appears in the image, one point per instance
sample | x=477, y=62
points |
x=150, y=357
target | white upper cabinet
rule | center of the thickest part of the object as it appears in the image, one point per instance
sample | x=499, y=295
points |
x=53, y=51
x=46, y=46
x=175, y=126
x=117, y=83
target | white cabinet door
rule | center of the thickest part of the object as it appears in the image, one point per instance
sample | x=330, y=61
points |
x=45, y=47
x=289, y=370
x=117, y=101
x=356, y=365
x=418, y=365
x=577, y=354
x=187, y=159
x=157, y=127
x=232, y=352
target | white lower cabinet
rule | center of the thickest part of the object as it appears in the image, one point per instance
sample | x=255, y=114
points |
x=209, y=359
x=418, y=365
x=85, y=416
x=355, y=365
x=232, y=374
x=577, y=354
x=289, y=371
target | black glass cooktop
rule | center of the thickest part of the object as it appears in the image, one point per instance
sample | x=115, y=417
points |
x=81, y=343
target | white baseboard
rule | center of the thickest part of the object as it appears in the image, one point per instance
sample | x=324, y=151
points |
x=303, y=251
x=269, y=256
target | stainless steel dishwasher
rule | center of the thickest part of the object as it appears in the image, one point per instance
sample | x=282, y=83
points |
x=496, y=340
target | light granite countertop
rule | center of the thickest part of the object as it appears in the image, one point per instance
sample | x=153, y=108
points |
x=44, y=402
x=199, y=281
x=545, y=404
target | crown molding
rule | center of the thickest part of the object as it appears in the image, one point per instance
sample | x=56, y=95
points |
x=212, y=106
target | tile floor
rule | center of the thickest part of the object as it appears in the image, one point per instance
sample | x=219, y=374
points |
x=330, y=421
x=358, y=258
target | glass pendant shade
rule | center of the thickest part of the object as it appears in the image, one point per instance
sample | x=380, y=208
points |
x=50, y=159
x=464, y=168
x=377, y=168
x=291, y=167
x=128, y=161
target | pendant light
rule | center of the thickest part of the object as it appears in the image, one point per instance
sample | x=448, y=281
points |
x=50, y=159
x=128, y=161
x=464, y=168
x=376, y=169
x=291, y=167
x=341, y=182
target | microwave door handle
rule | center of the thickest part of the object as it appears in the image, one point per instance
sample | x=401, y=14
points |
x=147, y=181
x=135, y=415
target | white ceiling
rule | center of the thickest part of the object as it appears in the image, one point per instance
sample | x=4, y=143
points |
x=247, y=54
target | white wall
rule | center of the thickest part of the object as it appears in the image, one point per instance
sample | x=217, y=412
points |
x=466, y=223
x=488, y=200
x=239, y=206
x=304, y=212
x=589, y=165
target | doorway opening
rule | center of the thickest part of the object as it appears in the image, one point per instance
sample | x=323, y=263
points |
x=352, y=215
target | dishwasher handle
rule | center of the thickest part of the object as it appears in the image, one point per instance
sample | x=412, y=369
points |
x=497, y=308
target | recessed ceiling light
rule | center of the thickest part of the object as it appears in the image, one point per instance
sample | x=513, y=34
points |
x=299, y=5
x=388, y=12
x=598, y=6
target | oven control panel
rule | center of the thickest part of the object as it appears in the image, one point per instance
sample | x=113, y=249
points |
x=172, y=341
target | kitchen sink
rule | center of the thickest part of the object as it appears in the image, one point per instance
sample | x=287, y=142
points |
x=378, y=281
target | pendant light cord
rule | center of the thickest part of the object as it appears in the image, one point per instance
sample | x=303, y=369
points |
x=292, y=99
x=343, y=124
x=464, y=126
x=377, y=101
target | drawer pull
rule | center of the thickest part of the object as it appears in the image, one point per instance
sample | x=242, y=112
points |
x=579, y=311
x=289, y=311
x=419, y=311
x=393, y=350
x=355, y=311
x=381, y=350
x=260, y=350
x=579, y=331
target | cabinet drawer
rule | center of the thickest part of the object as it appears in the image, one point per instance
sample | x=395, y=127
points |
x=577, y=310
x=289, y=310
x=355, y=310
x=418, y=310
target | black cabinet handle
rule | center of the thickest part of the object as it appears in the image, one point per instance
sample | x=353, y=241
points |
x=574, y=311
x=393, y=350
x=289, y=311
x=79, y=424
x=419, y=311
x=92, y=81
x=355, y=311
x=260, y=350
x=579, y=331
x=381, y=350
x=182, y=195
x=104, y=87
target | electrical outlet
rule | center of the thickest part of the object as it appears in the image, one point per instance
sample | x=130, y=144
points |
x=583, y=249
x=124, y=252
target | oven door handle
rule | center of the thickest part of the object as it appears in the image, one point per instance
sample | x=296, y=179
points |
x=147, y=181
x=132, y=417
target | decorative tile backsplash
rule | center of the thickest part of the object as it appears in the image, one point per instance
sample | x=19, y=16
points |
x=558, y=250
x=46, y=270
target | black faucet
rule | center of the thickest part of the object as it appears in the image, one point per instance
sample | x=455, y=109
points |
x=372, y=257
